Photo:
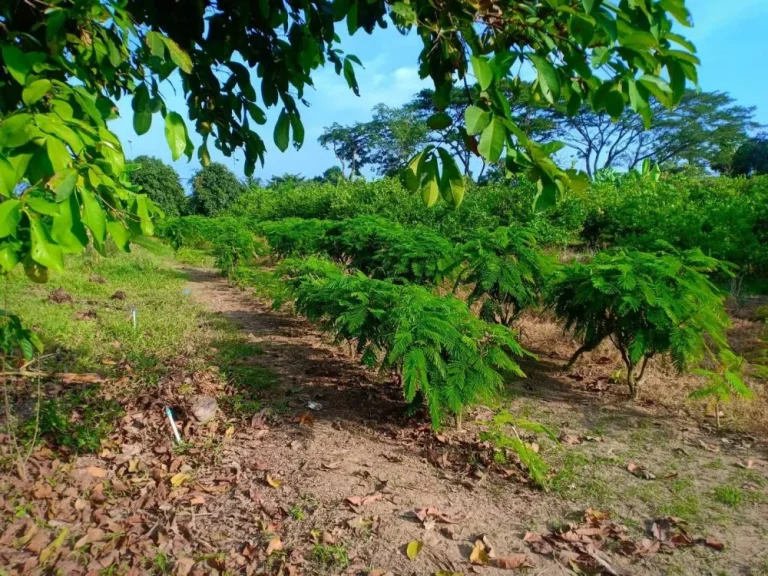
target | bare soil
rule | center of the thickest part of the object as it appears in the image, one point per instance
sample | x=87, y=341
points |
x=333, y=475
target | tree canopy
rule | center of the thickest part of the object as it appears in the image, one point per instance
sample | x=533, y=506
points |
x=66, y=62
x=214, y=189
x=751, y=158
x=704, y=131
x=161, y=183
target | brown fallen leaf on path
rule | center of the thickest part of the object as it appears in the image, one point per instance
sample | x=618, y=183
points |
x=512, y=562
x=640, y=471
x=709, y=447
x=357, y=501
x=97, y=472
x=425, y=514
x=274, y=545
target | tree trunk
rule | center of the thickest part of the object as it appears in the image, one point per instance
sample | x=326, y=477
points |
x=586, y=347
x=631, y=382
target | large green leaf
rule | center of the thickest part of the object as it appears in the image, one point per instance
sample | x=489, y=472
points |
x=57, y=154
x=492, y=140
x=546, y=194
x=16, y=130
x=9, y=256
x=67, y=229
x=412, y=175
x=638, y=101
x=581, y=28
x=175, y=134
x=476, y=119
x=8, y=178
x=93, y=215
x=141, y=209
x=43, y=250
x=298, y=130
x=281, y=135
x=10, y=216
x=16, y=62
x=430, y=191
x=451, y=180
x=483, y=71
x=42, y=205
x=590, y=5
x=439, y=121
x=156, y=43
x=549, y=79
x=178, y=56
x=35, y=91
x=142, y=122
x=120, y=234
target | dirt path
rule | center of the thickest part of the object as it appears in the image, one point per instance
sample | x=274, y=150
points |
x=361, y=444
x=354, y=449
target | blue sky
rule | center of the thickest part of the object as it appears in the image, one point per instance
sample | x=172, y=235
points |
x=731, y=37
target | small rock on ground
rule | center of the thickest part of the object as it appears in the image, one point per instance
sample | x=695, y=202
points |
x=204, y=408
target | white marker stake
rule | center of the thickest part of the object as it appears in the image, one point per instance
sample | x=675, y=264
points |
x=173, y=425
x=133, y=317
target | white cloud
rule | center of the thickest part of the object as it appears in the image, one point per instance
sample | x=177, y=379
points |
x=377, y=85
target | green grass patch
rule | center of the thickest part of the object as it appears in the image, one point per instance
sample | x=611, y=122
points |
x=194, y=257
x=729, y=496
x=93, y=332
x=578, y=480
x=330, y=558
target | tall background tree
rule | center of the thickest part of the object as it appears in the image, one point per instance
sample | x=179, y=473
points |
x=161, y=183
x=751, y=158
x=394, y=135
x=332, y=175
x=349, y=144
x=214, y=189
x=703, y=131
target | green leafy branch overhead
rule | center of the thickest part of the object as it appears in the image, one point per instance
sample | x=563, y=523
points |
x=66, y=62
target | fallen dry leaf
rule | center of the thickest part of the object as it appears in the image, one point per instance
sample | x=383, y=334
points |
x=413, y=549
x=274, y=482
x=709, y=447
x=229, y=432
x=712, y=543
x=54, y=546
x=93, y=535
x=512, y=562
x=569, y=439
x=425, y=514
x=274, y=545
x=331, y=465
x=479, y=555
x=640, y=471
x=306, y=419
x=748, y=466
x=179, y=479
x=97, y=472
x=184, y=566
x=357, y=501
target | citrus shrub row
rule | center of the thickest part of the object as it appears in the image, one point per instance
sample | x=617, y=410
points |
x=645, y=303
x=435, y=344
